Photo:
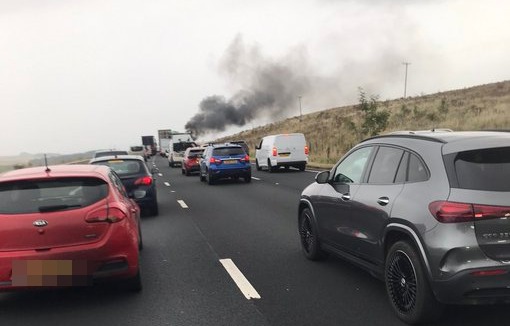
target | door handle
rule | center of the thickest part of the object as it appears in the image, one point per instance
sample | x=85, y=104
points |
x=346, y=197
x=383, y=201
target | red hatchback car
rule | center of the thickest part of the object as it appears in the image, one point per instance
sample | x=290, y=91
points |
x=191, y=160
x=67, y=225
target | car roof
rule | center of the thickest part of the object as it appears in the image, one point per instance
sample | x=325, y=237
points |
x=117, y=157
x=57, y=171
x=453, y=141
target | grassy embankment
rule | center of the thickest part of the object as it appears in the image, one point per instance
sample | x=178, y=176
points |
x=330, y=133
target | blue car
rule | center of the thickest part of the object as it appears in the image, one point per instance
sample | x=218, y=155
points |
x=225, y=161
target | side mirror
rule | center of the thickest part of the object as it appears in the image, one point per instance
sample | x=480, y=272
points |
x=322, y=177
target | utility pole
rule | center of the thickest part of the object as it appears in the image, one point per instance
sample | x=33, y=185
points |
x=300, y=111
x=405, y=81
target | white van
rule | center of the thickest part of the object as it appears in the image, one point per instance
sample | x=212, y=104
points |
x=282, y=150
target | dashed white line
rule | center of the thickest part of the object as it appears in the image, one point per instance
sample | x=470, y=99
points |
x=241, y=281
x=182, y=203
x=160, y=174
x=172, y=191
x=254, y=178
x=167, y=184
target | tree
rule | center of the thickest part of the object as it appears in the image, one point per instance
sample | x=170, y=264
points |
x=374, y=120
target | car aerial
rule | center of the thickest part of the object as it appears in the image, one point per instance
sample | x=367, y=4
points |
x=67, y=225
x=224, y=161
x=427, y=212
x=191, y=160
x=284, y=150
x=136, y=177
x=109, y=152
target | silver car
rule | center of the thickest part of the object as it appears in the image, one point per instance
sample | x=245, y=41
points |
x=428, y=213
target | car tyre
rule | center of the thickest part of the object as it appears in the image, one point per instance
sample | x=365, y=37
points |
x=407, y=285
x=155, y=209
x=309, y=238
x=257, y=165
x=270, y=168
x=202, y=178
x=247, y=178
x=140, y=239
x=302, y=167
x=183, y=171
x=209, y=178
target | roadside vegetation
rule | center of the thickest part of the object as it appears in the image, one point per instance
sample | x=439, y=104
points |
x=330, y=133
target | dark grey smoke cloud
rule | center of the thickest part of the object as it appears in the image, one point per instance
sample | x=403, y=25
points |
x=268, y=87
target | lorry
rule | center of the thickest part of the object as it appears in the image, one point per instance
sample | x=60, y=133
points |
x=149, y=142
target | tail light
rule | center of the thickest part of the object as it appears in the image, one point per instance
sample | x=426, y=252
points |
x=275, y=151
x=453, y=212
x=245, y=159
x=109, y=215
x=214, y=160
x=146, y=181
x=306, y=150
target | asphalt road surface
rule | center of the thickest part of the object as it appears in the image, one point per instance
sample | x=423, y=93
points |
x=251, y=226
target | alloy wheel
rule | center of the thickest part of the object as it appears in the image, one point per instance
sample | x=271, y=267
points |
x=402, y=283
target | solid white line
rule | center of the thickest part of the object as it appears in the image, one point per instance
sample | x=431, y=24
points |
x=182, y=203
x=242, y=283
x=254, y=178
x=167, y=184
x=314, y=171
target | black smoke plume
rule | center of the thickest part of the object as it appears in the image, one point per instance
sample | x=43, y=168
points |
x=267, y=87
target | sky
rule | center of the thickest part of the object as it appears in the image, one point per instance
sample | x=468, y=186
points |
x=94, y=74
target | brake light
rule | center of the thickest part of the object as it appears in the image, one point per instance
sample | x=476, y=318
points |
x=275, y=151
x=110, y=215
x=245, y=159
x=214, y=160
x=306, y=150
x=453, y=212
x=146, y=181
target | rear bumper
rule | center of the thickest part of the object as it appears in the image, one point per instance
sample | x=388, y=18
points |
x=235, y=172
x=115, y=256
x=465, y=288
x=286, y=162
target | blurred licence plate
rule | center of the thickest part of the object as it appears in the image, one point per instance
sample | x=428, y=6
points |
x=49, y=273
x=284, y=154
x=230, y=162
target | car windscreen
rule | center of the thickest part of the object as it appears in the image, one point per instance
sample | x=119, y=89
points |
x=110, y=153
x=228, y=151
x=124, y=167
x=48, y=195
x=483, y=169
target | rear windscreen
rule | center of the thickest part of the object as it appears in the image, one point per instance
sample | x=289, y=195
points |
x=483, y=169
x=195, y=153
x=124, y=167
x=228, y=151
x=182, y=146
x=136, y=148
x=31, y=196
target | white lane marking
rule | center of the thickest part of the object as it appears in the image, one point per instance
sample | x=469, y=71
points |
x=242, y=283
x=314, y=171
x=276, y=183
x=182, y=203
x=254, y=178
x=160, y=174
x=167, y=184
x=172, y=191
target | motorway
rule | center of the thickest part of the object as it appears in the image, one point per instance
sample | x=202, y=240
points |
x=255, y=226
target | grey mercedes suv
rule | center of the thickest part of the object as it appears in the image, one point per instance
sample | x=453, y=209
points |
x=428, y=213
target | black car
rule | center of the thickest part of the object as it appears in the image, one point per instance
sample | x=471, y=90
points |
x=427, y=212
x=136, y=178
